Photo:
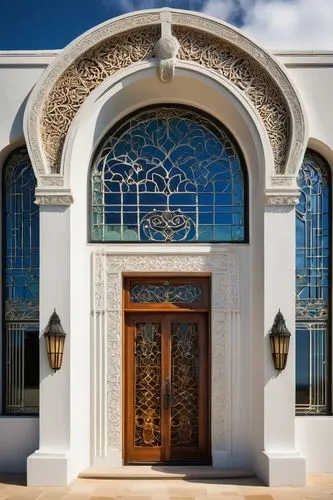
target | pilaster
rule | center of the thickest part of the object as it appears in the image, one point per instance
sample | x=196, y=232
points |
x=280, y=463
x=49, y=465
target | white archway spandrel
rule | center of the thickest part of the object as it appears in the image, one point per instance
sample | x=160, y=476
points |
x=119, y=43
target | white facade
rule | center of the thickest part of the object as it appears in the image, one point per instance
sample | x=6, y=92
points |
x=253, y=423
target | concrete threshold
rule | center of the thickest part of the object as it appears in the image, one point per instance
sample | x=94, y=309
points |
x=165, y=472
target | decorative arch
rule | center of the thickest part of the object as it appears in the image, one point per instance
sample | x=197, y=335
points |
x=164, y=36
x=168, y=173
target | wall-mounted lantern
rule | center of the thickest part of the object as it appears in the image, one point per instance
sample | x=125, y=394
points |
x=279, y=337
x=55, y=340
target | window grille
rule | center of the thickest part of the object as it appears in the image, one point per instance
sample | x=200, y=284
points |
x=313, y=290
x=20, y=285
x=168, y=174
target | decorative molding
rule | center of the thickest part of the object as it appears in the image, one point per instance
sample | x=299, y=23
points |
x=249, y=77
x=81, y=78
x=283, y=180
x=166, y=49
x=221, y=425
x=267, y=66
x=52, y=197
x=100, y=53
x=107, y=302
x=51, y=180
x=282, y=198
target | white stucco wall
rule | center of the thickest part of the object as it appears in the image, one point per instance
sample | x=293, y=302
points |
x=313, y=76
x=19, y=72
x=19, y=437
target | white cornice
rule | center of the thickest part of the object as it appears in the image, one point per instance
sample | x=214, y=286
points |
x=27, y=57
x=305, y=58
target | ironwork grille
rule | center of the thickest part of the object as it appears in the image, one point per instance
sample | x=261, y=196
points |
x=176, y=294
x=313, y=254
x=21, y=285
x=168, y=174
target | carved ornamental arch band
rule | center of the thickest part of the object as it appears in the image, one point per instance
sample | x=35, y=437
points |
x=167, y=36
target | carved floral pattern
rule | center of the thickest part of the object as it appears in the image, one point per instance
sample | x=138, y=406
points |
x=108, y=269
x=118, y=52
x=82, y=77
x=250, y=78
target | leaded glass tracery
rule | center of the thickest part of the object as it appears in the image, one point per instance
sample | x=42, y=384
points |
x=21, y=284
x=168, y=174
x=175, y=294
x=313, y=254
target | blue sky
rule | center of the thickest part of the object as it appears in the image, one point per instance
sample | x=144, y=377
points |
x=52, y=24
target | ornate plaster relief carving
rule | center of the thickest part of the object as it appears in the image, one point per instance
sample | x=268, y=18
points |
x=167, y=49
x=250, y=78
x=267, y=66
x=282, y=198
x=98, y=54
x=107, y=337
x=83, y=76
x=53, y=197
x=283, y=180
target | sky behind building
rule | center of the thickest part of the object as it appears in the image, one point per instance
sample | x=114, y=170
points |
x=277, y=24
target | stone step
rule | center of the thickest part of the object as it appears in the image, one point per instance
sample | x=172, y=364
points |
x=165, y=472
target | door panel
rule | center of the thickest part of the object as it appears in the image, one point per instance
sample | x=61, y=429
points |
x=189, y=387
x=166, y=388
x=143, y=421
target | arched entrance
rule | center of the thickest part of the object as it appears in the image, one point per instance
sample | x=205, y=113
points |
x=82, y=408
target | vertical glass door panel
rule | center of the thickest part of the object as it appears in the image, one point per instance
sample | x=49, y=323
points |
x=167, y=393
x=147, y=385
x=184, y=385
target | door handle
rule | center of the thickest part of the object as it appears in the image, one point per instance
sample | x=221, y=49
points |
x=166, y=395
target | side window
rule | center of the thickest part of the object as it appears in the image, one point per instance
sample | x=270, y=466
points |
x=20, y=285
x=313, y=287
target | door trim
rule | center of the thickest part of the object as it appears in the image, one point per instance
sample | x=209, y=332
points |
x=109, y=267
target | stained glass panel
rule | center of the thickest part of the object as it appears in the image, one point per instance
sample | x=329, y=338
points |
x=175, y=294
x=313, y=254
x=184, y=385
x=147, y=384
x=168, y=175
x=21, y=284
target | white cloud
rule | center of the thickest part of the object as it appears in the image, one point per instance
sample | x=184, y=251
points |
x=277, y=24
x=292, y=24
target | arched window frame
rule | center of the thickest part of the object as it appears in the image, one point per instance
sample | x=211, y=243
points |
x=218, y=126
x=20, y=286
x=313, y=314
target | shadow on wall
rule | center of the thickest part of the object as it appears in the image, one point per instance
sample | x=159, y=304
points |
x=19, y=438
x=16, y=131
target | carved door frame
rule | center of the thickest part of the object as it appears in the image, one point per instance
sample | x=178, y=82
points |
x=109, y=268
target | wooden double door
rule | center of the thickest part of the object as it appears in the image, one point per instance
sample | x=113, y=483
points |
x=167, y=388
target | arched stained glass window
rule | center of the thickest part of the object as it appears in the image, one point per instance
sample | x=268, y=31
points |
x=168, y=174
x=313, y=290
x=20, y=284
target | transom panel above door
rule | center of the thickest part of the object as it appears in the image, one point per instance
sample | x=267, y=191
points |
x=166, y=373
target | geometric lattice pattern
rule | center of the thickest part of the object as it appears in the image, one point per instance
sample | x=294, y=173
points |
x=184, y=385
x=21, y=284
x=313, y=260
x=168, y=174
x=147, y=384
